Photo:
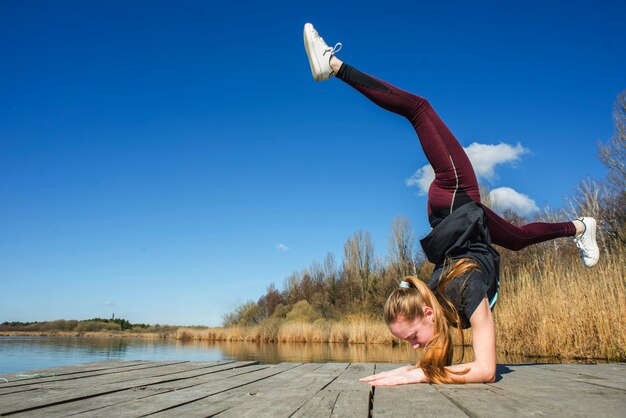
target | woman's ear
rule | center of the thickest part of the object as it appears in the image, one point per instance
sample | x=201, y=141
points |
x=428, y=312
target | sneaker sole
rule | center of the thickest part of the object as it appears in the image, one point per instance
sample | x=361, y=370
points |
x=592, y=233
x=316, y=68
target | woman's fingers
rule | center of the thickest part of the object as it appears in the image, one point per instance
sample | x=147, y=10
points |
x=400, y=371
x=395, y=377
x=391, y=381
x=375, y=377
x=369, y=378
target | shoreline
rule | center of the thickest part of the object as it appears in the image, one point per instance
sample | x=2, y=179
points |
x=90, y=334
x=175, y=337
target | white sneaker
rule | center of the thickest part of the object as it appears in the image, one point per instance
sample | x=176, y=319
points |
x=586, y=243
x=319, y=53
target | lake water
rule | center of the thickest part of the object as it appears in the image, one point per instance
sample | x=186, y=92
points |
x=30, y=353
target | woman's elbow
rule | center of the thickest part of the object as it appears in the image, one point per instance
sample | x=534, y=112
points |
x=489, y=375
x=485, y=373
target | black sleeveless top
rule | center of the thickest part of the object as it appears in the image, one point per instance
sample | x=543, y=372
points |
x=462, y=234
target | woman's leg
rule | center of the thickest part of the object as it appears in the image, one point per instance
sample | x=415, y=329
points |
x=455, y=182
x=515, y=238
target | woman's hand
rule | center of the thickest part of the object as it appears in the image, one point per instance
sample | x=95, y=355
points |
x=401, y=376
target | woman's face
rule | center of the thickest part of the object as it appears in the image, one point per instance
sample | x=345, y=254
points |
x=417, y=332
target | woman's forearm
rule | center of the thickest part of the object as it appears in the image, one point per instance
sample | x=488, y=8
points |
x=477, y=373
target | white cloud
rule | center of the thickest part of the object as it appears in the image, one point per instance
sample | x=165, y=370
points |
x=422, y=179
x=281, y=247
x=108, y=302
x=507, y=198
x=484, y=159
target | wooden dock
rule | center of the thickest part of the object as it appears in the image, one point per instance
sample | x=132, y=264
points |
x=249, y=389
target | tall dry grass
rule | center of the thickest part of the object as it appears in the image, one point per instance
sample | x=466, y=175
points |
x=359, y=331
x=553, y=307
x=559, y=308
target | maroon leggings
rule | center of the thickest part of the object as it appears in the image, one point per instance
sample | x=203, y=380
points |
x=455, y=182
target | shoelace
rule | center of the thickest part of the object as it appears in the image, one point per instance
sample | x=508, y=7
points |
x=332, y=51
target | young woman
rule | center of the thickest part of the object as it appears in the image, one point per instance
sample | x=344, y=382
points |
x=464, y=284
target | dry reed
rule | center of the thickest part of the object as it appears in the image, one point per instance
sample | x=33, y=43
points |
x=354, y=332
x=560, y=309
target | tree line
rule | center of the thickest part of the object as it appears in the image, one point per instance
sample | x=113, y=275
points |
x=88, y=325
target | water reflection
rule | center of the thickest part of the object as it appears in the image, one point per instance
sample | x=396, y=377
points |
x=314, y=352
x=30, y=353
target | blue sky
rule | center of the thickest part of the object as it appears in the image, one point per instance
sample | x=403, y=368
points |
x=155, y=155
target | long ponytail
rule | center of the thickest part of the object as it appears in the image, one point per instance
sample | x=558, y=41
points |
x=408, y=302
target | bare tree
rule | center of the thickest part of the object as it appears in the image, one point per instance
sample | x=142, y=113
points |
x=613, y=154
x=306, y=285
x=402, y=247
x=357, y=263
x=331, y=293
x=292, y=288
x=330, y=269
x=270, y=300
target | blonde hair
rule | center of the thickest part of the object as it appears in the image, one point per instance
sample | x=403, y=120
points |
x=408, y=302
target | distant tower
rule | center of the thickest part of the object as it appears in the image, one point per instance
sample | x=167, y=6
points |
x=113, y=316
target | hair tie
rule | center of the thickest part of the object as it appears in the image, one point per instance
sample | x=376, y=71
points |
x=404, y=284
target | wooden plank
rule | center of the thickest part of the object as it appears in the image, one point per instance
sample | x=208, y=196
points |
x=545, y=389
x=225, y=400
x=28, y=383
x=68, y=386
x=524, y=390
x=345, y=396
x=147, y=369
x=540, y=376
x=285, y=398
x=520, y=392
x=609, y=375
x=141, y=400
x=100, y=377
x=490, y=400
x=218, y=383
x=598, y=369
x=410, y=400
x=69, y=370
x=67, y=391
x=483, y=401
